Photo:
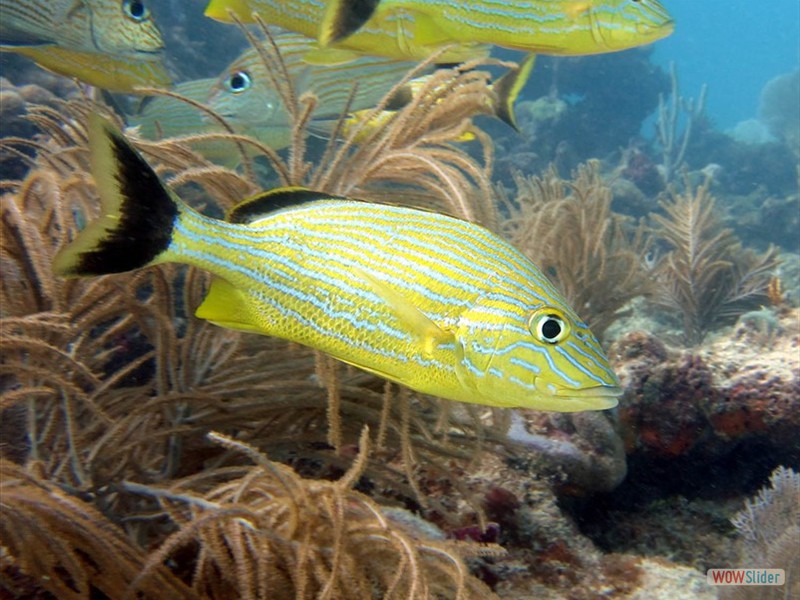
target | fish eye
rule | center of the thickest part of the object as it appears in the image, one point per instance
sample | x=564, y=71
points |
x=135, y=9
x=239, y=81
x=549, y=325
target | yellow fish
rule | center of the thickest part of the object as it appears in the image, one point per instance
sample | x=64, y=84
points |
x=414, y=29
x=506, y=90
x=420, y=298
x=113, y=44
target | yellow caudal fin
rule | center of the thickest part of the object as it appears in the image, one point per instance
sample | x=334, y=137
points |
x=342, y=18
x=508, y=87
x=137, y=217
x=226, y=306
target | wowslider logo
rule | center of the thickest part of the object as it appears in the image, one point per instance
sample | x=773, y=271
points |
x=745, y=577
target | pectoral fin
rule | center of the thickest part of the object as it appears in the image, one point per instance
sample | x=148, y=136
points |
x=427, y=333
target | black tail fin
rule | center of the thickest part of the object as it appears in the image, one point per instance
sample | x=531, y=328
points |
x=138, y=213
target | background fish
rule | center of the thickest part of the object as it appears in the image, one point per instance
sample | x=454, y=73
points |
x=161, y=117
x=245, y=96
x=435, y=303
x=306, y=16
x=560, y=27
x=113, y=44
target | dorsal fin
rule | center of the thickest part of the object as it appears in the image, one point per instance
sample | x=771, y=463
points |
x=260, y=205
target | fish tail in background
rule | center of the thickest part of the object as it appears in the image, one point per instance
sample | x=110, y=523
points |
x=508, y=87
x=343, y=18
x=138, y=213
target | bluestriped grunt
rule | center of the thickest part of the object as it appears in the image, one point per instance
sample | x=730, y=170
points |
x=114, y=44
x=245, y=95
x=432, y=302
x=305, y=17
x=414, y=29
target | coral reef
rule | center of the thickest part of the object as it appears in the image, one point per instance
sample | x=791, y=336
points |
x=109, y=385
x=324, y=481
x=572, y=111
x=267, y=533
x=583, y=452
x=15, y=101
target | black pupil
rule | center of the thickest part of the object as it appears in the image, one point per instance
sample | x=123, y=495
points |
x=136, y=9
x=551, y=328
x=238, y=82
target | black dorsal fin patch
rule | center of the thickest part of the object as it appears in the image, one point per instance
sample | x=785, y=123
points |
x=262, y=204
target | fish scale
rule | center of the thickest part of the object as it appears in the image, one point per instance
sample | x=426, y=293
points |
x=436, y=303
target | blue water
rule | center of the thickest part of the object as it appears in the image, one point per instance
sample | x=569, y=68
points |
x=734, y=46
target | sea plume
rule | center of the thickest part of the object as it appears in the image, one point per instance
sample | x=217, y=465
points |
x=706, y=276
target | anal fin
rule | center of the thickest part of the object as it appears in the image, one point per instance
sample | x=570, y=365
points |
x=226, y=306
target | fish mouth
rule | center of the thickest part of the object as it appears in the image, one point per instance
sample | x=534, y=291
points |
x=567, y=399
x=601, y=397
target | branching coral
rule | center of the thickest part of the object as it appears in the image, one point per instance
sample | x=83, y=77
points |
x=674, y=144
x=707, y=276
x=568, y=229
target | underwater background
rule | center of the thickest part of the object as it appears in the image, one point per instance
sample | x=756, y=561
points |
x=146, y=453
